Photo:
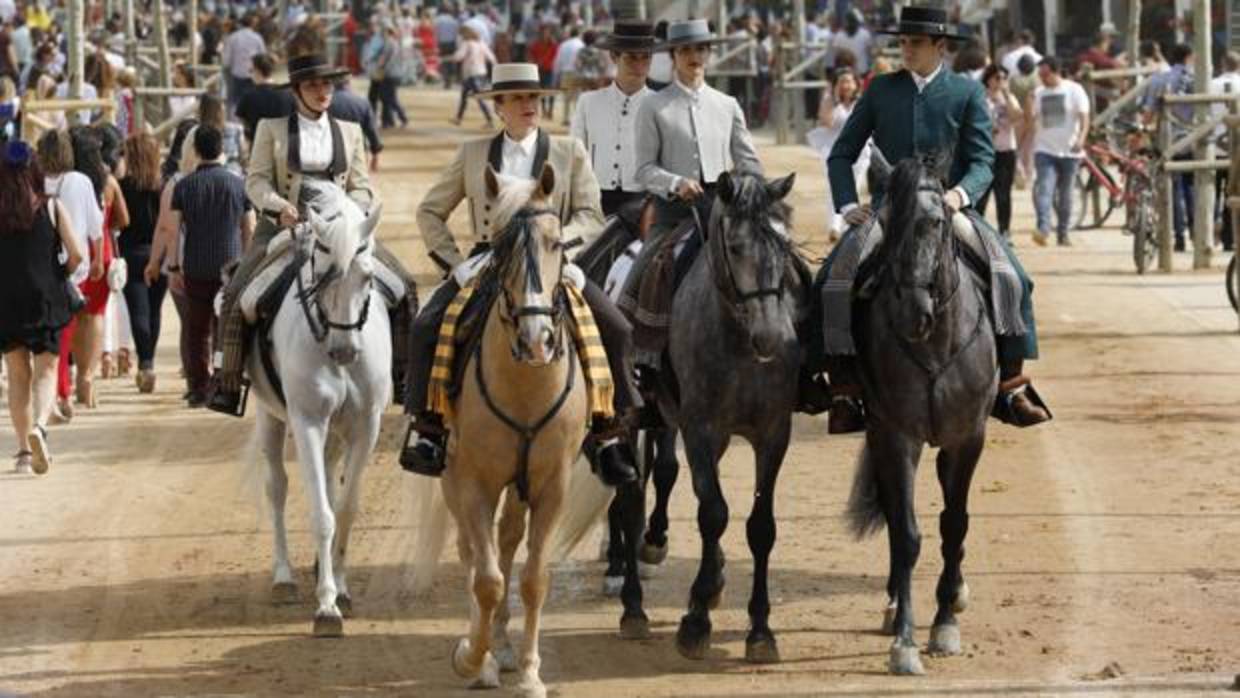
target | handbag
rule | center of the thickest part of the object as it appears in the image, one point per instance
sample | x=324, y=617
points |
x=118, y=270
x=73, y=294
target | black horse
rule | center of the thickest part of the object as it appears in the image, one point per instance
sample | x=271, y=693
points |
x=929, y=374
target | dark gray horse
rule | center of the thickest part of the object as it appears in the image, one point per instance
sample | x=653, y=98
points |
x=929, y=374
x=734, y=360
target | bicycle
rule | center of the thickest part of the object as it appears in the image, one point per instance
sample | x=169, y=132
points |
x=1096, y=181
x=1233, y=282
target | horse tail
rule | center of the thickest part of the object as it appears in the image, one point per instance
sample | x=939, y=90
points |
x=585, y=503
x=431, y=525
x=865, y=511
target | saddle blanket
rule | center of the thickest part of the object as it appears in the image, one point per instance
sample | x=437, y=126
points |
x=859, y=243
x=456, y=341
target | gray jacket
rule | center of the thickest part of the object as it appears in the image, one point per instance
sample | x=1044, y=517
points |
x=679, y=135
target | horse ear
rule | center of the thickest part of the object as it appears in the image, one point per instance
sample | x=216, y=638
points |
x=372, y=220
x=779, y=188
x=492, y=182
x=725, y=188
x=546, y=180
x=938, y=162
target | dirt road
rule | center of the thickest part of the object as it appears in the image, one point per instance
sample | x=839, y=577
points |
x=139, y=566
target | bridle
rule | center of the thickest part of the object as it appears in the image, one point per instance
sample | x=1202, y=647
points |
x=310, y=298
x=509, y=312
x=725, y=277
x=946, y=255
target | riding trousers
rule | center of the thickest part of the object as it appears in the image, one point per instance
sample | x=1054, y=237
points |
x=614, y=330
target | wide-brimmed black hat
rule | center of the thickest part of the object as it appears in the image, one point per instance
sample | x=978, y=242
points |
x=312, y=66
x=926, y=21
x=632, y=35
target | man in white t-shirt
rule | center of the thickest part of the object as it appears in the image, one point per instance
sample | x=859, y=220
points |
x=1060, y=116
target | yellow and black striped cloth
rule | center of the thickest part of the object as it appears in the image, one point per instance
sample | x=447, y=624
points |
x=600, y=389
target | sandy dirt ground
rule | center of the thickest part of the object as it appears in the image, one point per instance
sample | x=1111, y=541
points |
x=139, y=565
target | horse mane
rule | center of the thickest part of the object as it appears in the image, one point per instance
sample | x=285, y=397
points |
x=752, y=200
x=902, y=203
x=514, y=194
x=343, y=217
x=514, y=239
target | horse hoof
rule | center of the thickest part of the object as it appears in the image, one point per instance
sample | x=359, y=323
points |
x=489, y=676
x=889, y=621
x=652, y=554
x=459, y=666
x=345, y=603
x=328, y=625
x=612, y=586
x=635, y=627
x=284, y=593
x=506, y=658
x=762, y=650
x=532, y=687
x=961, y=604
x=604, y=546
x=944, y=640
x=693, y=638
x=905, y=661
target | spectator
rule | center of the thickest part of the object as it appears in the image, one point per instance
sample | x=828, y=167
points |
x=218, y=220
x=1022, y=86
x=592, y=64
x=542, y=53
x=661, y=62
x=1098, y=57
x=8, y=54
x=23, y=44
x=10, y=109
x=971, y=60
x=389, y=70
x=238, y=57
x=141, y=189
x=447, y=29
x=348, y=106
x=211, y=111
x=566, y=69
x=1177, y=80
x=837, y=105
x=1005, y=114
x=1226, y=83
x=32, y=282
x=856, y=38
x=182, y=106
x=81, y=204
x=474, y=58
x=265, y=100
x=1024, y=47
x=428, y=46
x=1060, y=114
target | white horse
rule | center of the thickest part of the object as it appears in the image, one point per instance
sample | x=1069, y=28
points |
x=331, y=350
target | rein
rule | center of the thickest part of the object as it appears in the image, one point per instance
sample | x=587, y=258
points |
x=732, y=292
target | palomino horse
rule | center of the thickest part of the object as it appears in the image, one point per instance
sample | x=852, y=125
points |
x=519, y=423
x=330, y=378
x=929, y=373
x=735, y=359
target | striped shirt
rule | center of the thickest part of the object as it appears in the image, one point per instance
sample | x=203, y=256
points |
x=211, y=202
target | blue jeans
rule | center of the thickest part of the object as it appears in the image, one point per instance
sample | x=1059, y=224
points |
x=1053, y=186
x=1182, y=201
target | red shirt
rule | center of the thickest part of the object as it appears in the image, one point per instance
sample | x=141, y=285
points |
x=543, y=53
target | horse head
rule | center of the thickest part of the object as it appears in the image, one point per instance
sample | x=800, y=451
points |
x=749, y=249
x=341, y=271
x=529, y=257
x=918, y=250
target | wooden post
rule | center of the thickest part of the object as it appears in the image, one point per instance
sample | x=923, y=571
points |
x=1134, y=32
x=165, y=58
x=641, y=9
x=797, y=97
x=1203, y=180
x=131, y=37
x=722, y=19
x=194, y=48
x=76, y=41
x=779, y=96
x=1165, y=194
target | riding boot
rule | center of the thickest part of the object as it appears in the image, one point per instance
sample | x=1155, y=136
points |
x=610, y=455
x=847, y=409
x=813, y=393
x=1018, y=403
x=649, y=417
x=224, y=399
x=424, y=449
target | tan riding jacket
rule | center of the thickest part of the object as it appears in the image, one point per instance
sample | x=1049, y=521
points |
x=270, y=184
x=576, y=197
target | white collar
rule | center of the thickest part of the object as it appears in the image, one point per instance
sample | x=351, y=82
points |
x=694, y=93
x=921, y=82
x=619, y=93
x=525, y=145
x=320, y=122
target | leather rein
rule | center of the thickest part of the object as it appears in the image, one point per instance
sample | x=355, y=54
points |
x=310, y=299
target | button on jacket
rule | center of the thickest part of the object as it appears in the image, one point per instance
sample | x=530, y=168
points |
x=695, y=134
x=605, y=121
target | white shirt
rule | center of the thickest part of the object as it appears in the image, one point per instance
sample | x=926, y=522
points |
x=315, y=139
x=858, y=44
x=84, y=116
x=1227, y=83
x=1013, y=57
x=519, y=156
x=566, y=56
x=239, y=50
x=661, y=67
x=8, y=9
x=1058, y=114
x=77, y=194
x=604, y=123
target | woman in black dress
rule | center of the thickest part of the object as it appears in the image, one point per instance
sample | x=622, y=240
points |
x=33, y=233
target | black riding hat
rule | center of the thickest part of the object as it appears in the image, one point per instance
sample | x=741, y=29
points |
x=926, y=21
x=634, y=35
x=312, y=66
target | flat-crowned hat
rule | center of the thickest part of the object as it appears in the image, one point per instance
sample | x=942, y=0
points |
x=689, y=32
x=515, y=78
x=927, y=21
x=632, y=35
x=312, y=66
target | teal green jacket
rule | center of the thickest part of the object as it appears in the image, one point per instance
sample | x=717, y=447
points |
x=950, y=114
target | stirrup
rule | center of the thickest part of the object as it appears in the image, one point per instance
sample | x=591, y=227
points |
x=220, y=401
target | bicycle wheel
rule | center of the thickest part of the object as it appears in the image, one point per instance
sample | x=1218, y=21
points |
x=1089, y=195
x=1144, y=244
x=1233, y=282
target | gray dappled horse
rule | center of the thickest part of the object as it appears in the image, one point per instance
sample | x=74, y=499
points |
x=735, y=360
x=929, y=373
